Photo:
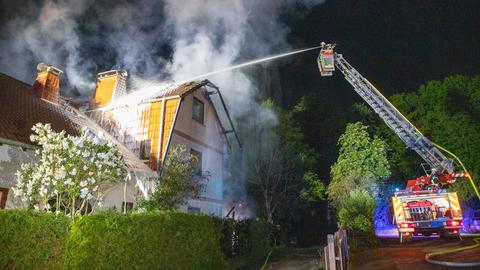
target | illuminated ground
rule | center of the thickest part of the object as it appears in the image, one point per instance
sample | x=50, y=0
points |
x=295, y=258
x=391, y=255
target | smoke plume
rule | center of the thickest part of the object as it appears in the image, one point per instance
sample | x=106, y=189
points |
x=158, y=40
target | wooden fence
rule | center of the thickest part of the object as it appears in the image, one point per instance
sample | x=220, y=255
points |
x=336, y=251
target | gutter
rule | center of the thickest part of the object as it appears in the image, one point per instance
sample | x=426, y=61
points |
x=208, y=83
x=17, y=143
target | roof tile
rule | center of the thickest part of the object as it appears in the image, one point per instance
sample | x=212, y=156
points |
x=20, y=110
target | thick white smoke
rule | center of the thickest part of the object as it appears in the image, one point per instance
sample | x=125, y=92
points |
x=149, y=38
x=210, y=35
x=46, y=33
x=161, y=40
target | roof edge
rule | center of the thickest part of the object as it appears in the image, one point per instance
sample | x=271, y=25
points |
x=16, y=143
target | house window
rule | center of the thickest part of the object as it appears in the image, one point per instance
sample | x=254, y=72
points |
x=198, y=110
x=193, y=210
x=197, y=156
x=129, y=206
x=145, y=147
x=3, y=197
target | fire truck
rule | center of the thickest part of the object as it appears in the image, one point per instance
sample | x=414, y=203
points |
x=423, y=207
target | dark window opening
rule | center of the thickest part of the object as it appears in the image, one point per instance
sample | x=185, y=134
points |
x=198, y=110
x=193, y=210
x=145, y=148
x=197, y=158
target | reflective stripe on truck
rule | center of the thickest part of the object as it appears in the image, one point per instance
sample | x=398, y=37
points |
x=398, y=209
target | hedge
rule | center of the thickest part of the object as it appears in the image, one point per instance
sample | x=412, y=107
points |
x=249, y=239
x=32, y=240
x=158, y=240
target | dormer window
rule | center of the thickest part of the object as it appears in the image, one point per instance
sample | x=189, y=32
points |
x=198, y=110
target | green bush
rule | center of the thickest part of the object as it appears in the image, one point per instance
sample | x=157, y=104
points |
x=356, y=212
x=259, y=238
x=152, y=240
x=226, y=227
x=31, y=240
x=245, y=242
x=356, y=215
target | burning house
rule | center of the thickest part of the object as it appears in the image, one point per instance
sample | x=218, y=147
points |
x=182, y=114
x=23, y=105
x=144, y=132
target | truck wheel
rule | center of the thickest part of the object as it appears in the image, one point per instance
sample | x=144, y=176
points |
x=451, y=237
x=409, y=238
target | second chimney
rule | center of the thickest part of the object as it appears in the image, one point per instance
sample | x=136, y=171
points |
x=47, y=83
x=110, y=85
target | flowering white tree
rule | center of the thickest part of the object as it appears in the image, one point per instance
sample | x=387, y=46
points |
x=70, y=173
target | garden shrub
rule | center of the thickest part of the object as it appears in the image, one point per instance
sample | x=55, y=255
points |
x=32, y=240
x=248, y=238
x=226, y=227
x=151, y=240
x=259, y=238
x=356, y=214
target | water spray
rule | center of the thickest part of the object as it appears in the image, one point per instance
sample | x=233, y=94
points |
x=155, y=90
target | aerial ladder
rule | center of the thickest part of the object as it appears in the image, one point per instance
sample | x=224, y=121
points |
x=442, y=168
x=423, y=207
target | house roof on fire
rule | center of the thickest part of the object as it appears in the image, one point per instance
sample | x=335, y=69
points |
x=183, y=89
x=20, y=109
x=219, y=106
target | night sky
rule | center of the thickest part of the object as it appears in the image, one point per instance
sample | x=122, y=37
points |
x=397, y=45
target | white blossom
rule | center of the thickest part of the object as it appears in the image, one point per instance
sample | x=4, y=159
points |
x=49, y=177
x=83, y=193
x=68, y=182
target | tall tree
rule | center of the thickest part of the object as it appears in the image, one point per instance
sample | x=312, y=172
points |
x=278, y=161
x=362, y=162
x=273, y=180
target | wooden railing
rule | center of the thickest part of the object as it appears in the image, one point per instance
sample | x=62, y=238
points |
x=335, y=253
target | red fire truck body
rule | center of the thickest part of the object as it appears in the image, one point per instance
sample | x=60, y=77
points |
x=426, y=213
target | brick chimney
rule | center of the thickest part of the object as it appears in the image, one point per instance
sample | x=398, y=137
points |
x=47, y=83
x=110, y=85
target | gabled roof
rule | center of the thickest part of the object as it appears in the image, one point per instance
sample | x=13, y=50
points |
x=185, y=89
x=180, y=90
x=20, y=110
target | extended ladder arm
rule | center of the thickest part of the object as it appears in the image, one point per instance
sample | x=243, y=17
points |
x=408, y=133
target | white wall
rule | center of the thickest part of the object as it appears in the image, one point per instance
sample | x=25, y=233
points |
x=207, y=140
x=115, y=195
x=11, y=158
